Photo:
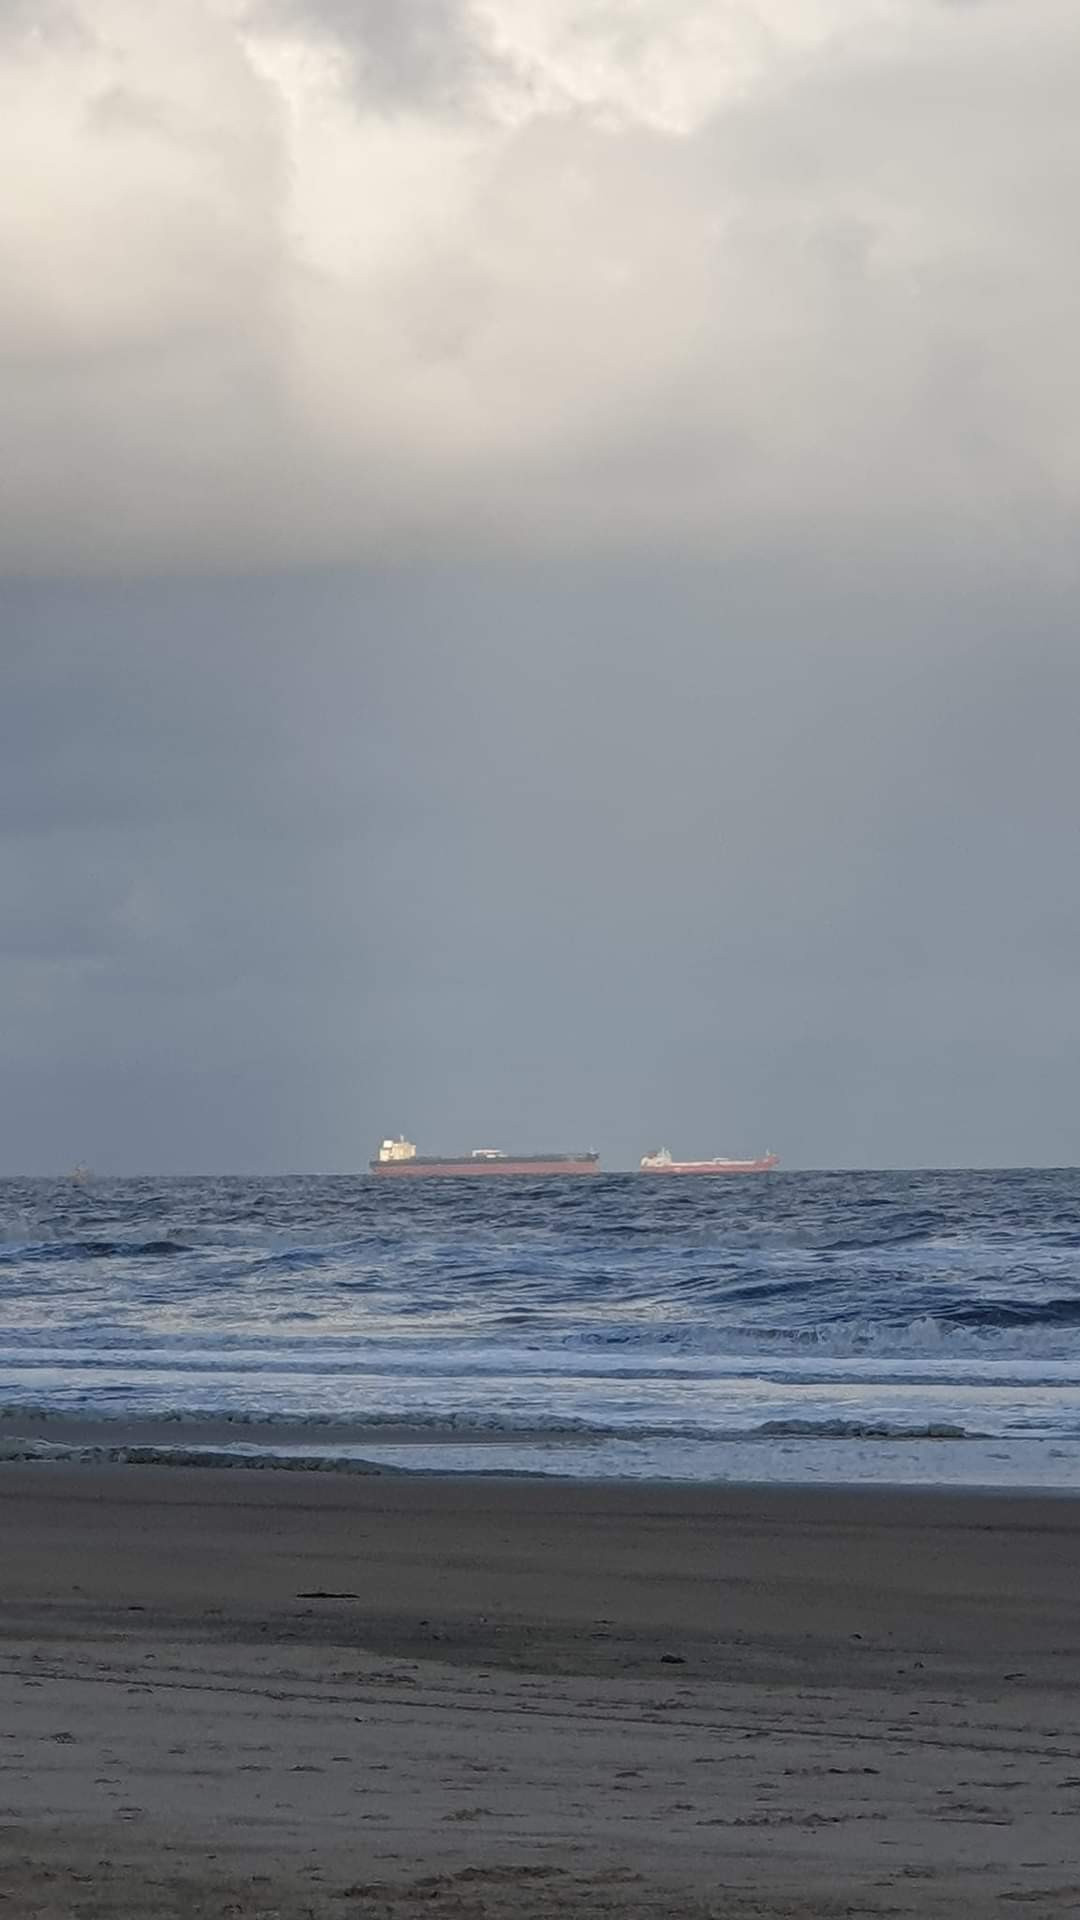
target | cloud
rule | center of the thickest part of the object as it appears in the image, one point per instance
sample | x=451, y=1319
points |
x=432, y=56
x=290, y=281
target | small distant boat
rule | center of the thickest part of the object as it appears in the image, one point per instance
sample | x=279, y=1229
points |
x=80, y=1175
x=661, y=1162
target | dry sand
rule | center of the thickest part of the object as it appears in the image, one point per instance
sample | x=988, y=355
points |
x=284, y=1695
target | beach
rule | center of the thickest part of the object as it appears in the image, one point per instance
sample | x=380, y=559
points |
x=293, y=1694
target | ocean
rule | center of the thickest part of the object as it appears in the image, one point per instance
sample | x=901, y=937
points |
x=904, y=1328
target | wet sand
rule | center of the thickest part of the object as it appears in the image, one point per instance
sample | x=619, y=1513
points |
x=286, y=1695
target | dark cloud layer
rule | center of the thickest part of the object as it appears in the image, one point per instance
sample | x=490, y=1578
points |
x=428, y=55
x=725, y=858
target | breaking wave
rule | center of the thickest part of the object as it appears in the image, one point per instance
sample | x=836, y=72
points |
x=486, y=1427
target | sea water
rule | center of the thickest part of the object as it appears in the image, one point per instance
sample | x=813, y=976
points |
x=847, y=1327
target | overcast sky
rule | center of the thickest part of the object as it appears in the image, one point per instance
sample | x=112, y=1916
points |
x=538, y=580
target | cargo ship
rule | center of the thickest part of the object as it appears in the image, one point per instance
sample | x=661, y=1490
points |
x=398, y=1159
x=662, y=1162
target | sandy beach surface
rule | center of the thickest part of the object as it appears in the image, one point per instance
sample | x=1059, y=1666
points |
x=322, y=1697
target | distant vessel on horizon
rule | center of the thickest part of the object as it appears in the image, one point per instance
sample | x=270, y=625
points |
x=662, y=1162
x=397, y=1159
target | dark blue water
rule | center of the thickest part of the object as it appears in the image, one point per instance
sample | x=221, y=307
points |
x=811, y=1324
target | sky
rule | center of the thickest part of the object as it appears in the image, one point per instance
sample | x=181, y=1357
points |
x=538, y=580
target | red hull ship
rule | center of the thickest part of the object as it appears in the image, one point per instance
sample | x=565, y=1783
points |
x=662, y=1162
x=398, y=1159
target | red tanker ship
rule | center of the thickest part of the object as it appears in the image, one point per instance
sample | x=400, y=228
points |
x=398, y=1159
x=662, y=1162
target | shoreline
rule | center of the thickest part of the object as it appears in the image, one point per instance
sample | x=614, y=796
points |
x=854, y=1458
x=132, y=1455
